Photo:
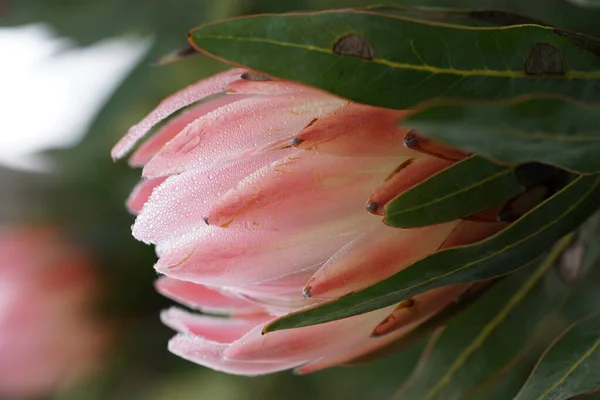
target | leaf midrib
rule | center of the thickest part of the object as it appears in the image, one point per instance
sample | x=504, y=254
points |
x=475, y=184
x=513, y=74
x=572, y=369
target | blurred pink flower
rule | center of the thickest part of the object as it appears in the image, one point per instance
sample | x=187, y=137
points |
x=48, y=335
x=256, y=198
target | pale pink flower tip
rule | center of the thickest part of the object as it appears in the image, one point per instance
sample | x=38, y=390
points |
x=262, y=199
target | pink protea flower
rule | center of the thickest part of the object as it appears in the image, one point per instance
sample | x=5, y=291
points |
x=48, y=336
x=256, y=198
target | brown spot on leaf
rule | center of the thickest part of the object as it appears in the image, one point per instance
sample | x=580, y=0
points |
x=544, y=59
x=585, y=42
x=353, y=45
x=255, y=76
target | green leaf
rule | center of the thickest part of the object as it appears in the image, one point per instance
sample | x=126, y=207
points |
x=457, y=16
x=398, y=62
x=503, y=253
x=507, y=382
x=479, y=348
x=464, y=188
x=569, y=367
x=556, y=131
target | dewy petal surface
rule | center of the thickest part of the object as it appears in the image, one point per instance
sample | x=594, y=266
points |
x=168, y=106
x=218, y=256
x=141, y=193
x=357, y=131
x=181, y=203
x=150, y=147
x=268, y=88
x=231, y=130
x=301, y=189
x=374, y=256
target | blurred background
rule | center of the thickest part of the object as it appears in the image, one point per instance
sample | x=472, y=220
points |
x=75, y=74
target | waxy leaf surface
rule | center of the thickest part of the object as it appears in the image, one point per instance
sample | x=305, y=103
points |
x=460, y=190
x=569, y=367
x=557, y=131
x=398, y=62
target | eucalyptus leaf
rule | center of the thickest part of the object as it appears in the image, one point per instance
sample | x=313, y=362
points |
x=569, y=367
x=398, y=62
x=467, y=187
x=503, y=253
x=557, y=131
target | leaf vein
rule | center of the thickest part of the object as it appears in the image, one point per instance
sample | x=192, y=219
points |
x=400, y=65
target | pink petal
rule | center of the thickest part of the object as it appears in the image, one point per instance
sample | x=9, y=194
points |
x=278, y=296
x=403, y=179
x=217, y=256
x=216, y=329
x=283, y=285
x=182, y=202
x=420, y=307
x=168, y=106
x=204, y=298
x=141, y=192
x=153, y=145
x=301, y=189
x=374, y=256
x=356, y=130
x=468, y=232
x=210, y=354
x=301, y=344
x=270, y=88
x=234, y=129
x=400, y=322
x=417, y=142
x=362, y=348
